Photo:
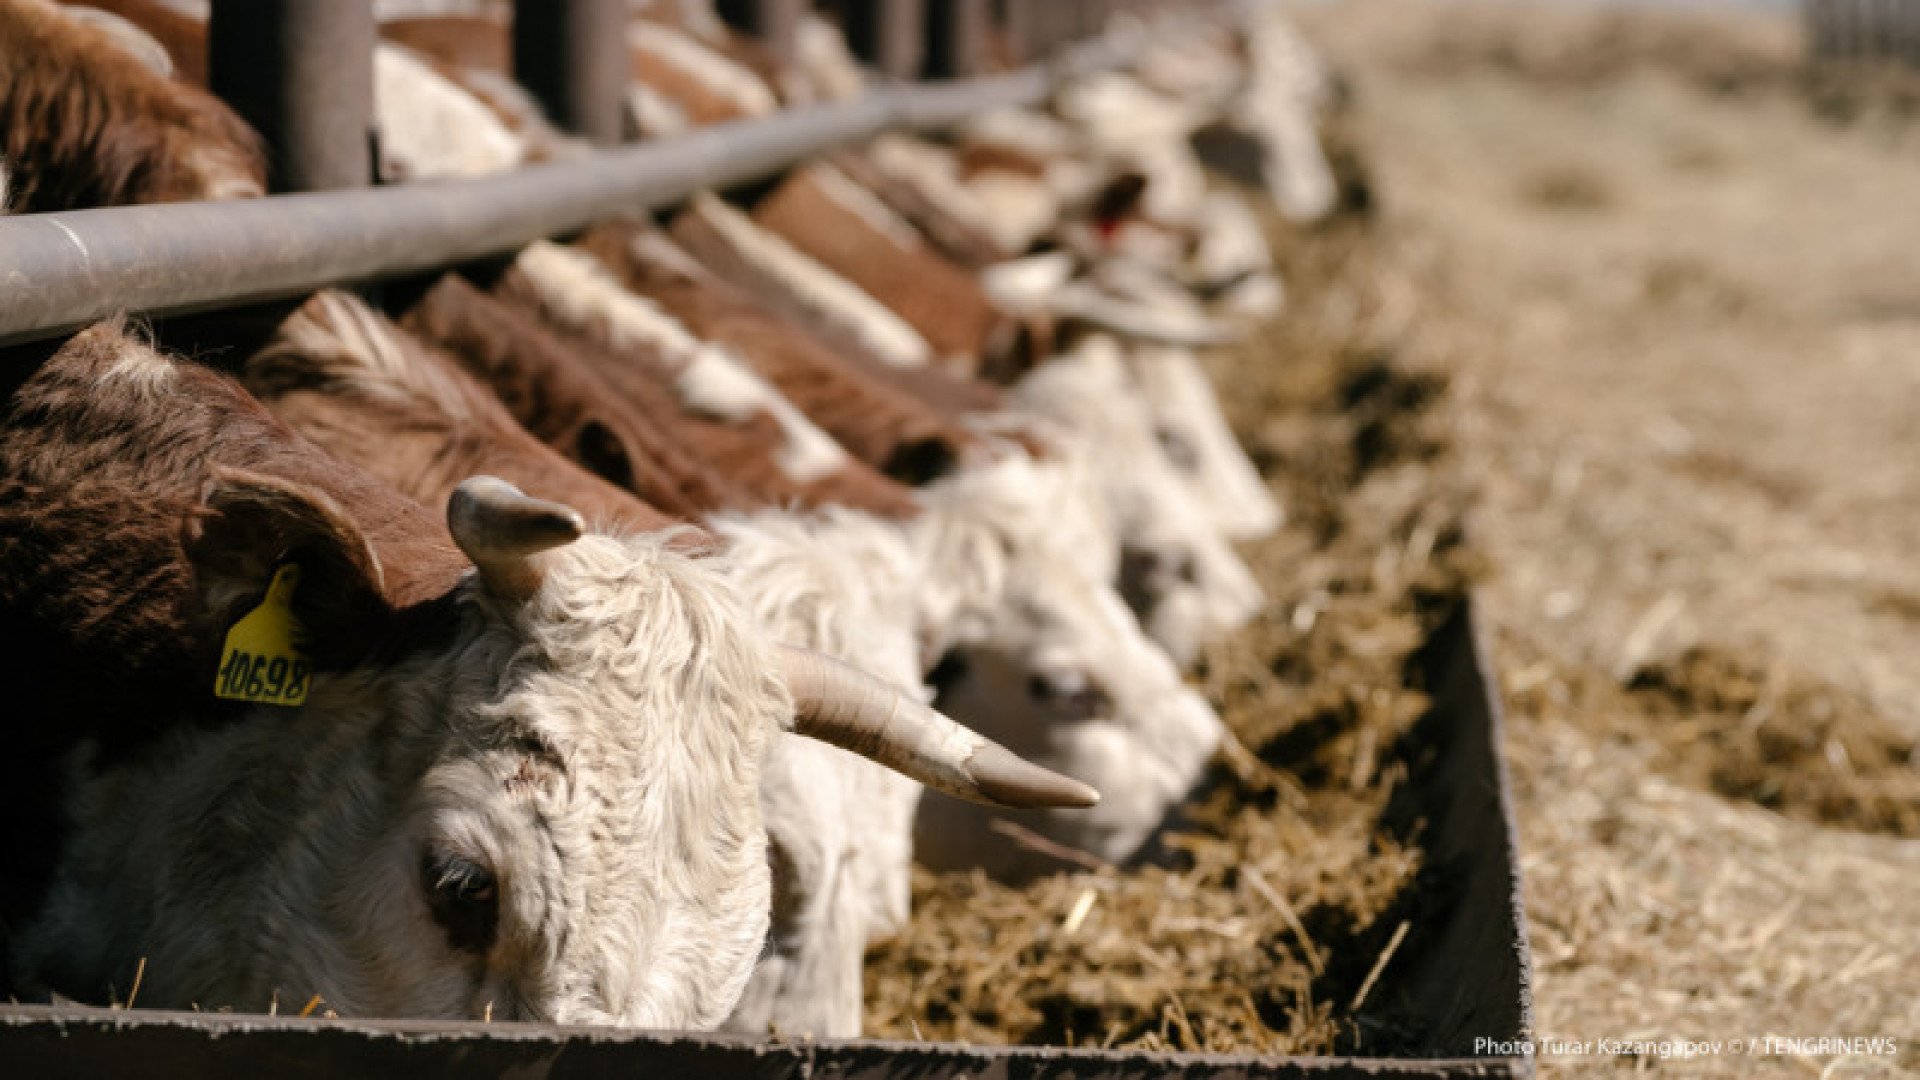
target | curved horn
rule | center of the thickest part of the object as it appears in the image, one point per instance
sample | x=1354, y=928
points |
x=848, y=708
x=501, y=529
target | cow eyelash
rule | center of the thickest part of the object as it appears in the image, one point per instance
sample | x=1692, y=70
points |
x=461, y=879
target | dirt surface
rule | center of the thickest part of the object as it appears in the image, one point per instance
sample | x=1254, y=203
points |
x=1674, y=284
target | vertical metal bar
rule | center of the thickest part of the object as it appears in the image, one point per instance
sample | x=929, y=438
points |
x=301, y=72
x=774, y=22
x=956, y=38
x=1014, y=19
x=572, y=54
x=888, y=34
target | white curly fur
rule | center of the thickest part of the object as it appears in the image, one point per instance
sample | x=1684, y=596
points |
x=431, y=127
x=839, y=827
x=980, y=520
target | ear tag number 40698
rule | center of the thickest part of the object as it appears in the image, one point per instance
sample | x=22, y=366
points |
x=260, y=662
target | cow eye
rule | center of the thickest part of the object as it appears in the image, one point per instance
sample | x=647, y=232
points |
x=1078, y=701
x=464, y=899
x=1179, y=449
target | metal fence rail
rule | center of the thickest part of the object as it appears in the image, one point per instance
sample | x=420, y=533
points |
x=61, y=271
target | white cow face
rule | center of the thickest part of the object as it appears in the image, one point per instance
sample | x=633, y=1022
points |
x=542, y=805
x=1064, y=676
x=1177, y=570
x=588, y=847
x=1194, y=437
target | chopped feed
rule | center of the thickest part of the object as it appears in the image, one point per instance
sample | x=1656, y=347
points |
x=1269, y=913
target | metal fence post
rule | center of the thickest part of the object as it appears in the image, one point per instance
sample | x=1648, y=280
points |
x=888, y=34
x=774, y=22
x=1014, y=20
x=300, y=72
x=956, y=38
x=572, y=55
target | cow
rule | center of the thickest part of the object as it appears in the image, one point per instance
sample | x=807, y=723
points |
x=85, y=121
x=344, y=377
x=178, y=37
x=1193, y=435
x=888, y=427
x=562, y=401
x=359, y=386
x=681, y=82
x=1042, y=651
x=1179, y=574
x=1015, y=556
x=523, y=783
x=1177, y=570
x=656, y=364
x=852, y=232
x=430, y=126
x=832, y=309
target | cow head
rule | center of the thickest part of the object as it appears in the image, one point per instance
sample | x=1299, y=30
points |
x=1065, y=676
x=1195, y=440
x=533, y=797
x=1040, y=650
x=1178, y=572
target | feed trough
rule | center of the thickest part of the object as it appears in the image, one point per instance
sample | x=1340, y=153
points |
x=1462, y=984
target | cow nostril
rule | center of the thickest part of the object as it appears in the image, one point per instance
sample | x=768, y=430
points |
x=1179, y=449
x=1185, y=570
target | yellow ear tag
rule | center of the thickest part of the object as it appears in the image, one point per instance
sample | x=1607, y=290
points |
x=260, y=662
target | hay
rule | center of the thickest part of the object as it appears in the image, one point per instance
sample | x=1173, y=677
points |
x=1271, y=911
x=1704, y=640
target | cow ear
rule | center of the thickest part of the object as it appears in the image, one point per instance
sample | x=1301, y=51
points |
x=250, y=525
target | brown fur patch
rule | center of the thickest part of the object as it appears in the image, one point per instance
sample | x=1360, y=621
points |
x=562, y=402
x=880, y=424
x=82, y=125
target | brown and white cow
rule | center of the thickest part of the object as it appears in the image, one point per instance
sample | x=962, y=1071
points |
x=886, y=426
x=526, y=790
x=564, y=402
x=85, y=120
x=839, y=827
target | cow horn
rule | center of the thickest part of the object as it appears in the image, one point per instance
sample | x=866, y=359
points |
x=502, y=528
x=848, y=708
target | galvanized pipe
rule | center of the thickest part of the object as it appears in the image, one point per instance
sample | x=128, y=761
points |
x=300, y=72
x=59, y=272
x=572, y=55
x=775, y=22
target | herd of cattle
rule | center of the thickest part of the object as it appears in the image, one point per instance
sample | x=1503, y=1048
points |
x=615, y=582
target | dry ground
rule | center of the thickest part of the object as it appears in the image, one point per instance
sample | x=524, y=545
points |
x=1678, y=308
